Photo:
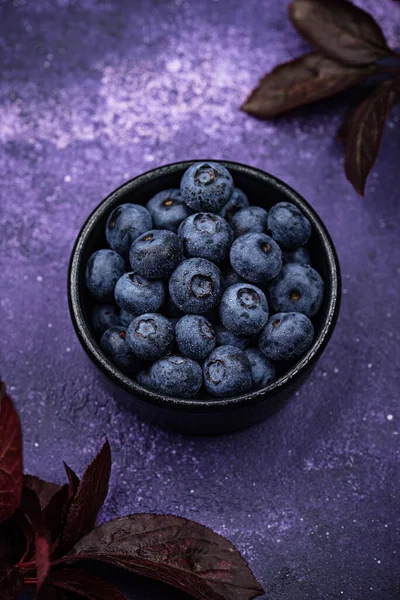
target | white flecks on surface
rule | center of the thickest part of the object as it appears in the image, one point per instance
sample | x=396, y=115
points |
x=153, y=95
x=174, y=66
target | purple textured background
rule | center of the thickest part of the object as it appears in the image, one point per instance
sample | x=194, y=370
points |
x=93, y=93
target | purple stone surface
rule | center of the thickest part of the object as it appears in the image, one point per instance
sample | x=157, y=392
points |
x=93, y=93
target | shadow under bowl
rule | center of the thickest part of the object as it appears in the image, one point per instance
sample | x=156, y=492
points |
x=203, y=416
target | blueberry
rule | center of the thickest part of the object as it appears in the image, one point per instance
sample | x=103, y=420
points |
x=286, y=336
x=114, y=344
x=288, y=226
x=253, y=219
x=227, y=372
x=138, y=295
x=207, y=236
x=143, y=378
x=196, y=285
x=206, y=186
x=125, y=318
x=237, y=201
x=195, y=336
x=168, y=210
x=103, y=317
x=262, y=369
x=228, y=338
x=125, y=224
x=103, y=269
x=256, y=257
x=300, y=256
x=176, y=376
x=150, y=336
x=243, y=309
x=156, y=253
x=230, y=277
x=298, y=288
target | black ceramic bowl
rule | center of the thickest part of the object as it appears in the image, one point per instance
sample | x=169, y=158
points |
x=217, y=415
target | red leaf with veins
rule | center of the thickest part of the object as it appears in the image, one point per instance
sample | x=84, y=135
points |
x=364, y=132
x=340, y=30
x=11, y=476
x=89, y=498
x=177, y=551
x=301, y=81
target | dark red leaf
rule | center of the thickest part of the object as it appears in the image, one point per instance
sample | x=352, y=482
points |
x=48, y=591
x=44, y=489
x=344, y=128
x=302, y=81
x=53, y=512
x=30, y=507
x=10, y=580
x=340, y=30
x=56, y=512
x=89, y=498
x=11, y=475
x=15, y=534
x=361, y=94
x=177, y=551
x=10, y=551
x=26, y=530
x=42, y=559
x=87, y=585
x=73, y=480
x=50, y=521
x=365, y=132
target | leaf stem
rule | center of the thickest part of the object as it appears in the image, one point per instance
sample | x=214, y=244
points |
x=27, y=566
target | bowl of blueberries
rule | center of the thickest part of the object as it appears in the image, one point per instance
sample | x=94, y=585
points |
x=204, y=292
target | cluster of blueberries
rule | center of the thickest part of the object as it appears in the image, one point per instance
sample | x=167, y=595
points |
x=182, y=292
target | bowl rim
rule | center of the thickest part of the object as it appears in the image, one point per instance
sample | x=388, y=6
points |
x=123, y=381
